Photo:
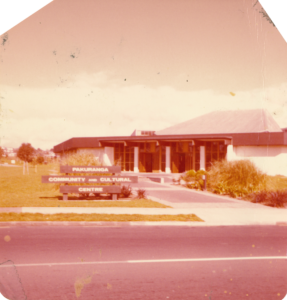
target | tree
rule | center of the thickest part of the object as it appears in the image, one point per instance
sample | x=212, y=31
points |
x=40, y=159
x=26, y=152
x=1, y=152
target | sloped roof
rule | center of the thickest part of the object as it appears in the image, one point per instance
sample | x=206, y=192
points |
x=238, y=121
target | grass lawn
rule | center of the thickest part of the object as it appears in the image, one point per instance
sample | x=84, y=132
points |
x=9, y=217
x=18, y=190
x=277, y=182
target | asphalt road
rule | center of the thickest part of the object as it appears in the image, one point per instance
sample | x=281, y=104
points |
x=137, y=262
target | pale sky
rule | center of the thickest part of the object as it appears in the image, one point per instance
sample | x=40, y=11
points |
x=95, y=68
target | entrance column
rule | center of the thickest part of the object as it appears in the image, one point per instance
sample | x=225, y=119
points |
x=167, y=159
x=202, y=158
x=136, y=159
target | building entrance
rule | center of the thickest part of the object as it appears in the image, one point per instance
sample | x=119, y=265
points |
x=148, y=162
x=181, y=162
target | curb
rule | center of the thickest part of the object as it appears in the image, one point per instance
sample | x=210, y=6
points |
x=125, y=224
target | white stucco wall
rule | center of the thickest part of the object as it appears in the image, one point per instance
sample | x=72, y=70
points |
x=270, y=159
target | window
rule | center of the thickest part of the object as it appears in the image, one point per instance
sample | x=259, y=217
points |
x=129, y=158
x=119, y=155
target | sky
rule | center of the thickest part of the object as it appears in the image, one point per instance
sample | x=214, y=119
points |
x=87, y=68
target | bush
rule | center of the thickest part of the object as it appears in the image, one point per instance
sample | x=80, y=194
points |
x=276, y=198
x=194, y=179
x=176, y=181
x=235, y=178
x=126, y=191
x=259, y=197
x=141, y=194
x=80, y=159
x=40, y=159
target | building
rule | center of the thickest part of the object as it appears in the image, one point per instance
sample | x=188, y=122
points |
x=194, y=144
x=9, y=152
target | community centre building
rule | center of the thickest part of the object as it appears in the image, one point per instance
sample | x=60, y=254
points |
x=194, y=144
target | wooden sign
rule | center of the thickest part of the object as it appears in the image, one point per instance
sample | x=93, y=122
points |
x=89, y=179
x=112, y=189
x=90, y=169
x=109, y=189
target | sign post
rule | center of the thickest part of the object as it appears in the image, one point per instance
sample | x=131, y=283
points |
x=110, y=181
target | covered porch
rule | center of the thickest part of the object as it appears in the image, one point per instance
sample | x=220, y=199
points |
x=168, y=156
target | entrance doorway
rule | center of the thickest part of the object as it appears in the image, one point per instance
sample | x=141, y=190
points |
x=148, y=162
x=181, y=162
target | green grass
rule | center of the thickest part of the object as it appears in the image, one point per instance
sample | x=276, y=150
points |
x=18, y=190
x=10, y=217
x=277, y=182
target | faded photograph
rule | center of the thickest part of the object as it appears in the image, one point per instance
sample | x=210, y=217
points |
x=143, y=152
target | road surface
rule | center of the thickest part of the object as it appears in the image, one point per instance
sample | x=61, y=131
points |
x=137, y=262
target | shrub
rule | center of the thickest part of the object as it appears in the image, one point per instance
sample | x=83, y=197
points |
x=277, y=198
x=194, y=179
x=259, y=197
x=80, y=159
x=126, y=191
x=141, y=194
x=235, y=178
x=176, y=181
x=40, y=159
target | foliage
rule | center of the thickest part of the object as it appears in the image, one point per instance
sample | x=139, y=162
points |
x=40, y=159
x=126, y=191
x=258, y=197
x=276, y=198
x=235, y=178
x=277, y=182
x=176, y=181
x=84, y=158
x=141, y=194
x=194, y=179
x=26, y=152
x=1, y=152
